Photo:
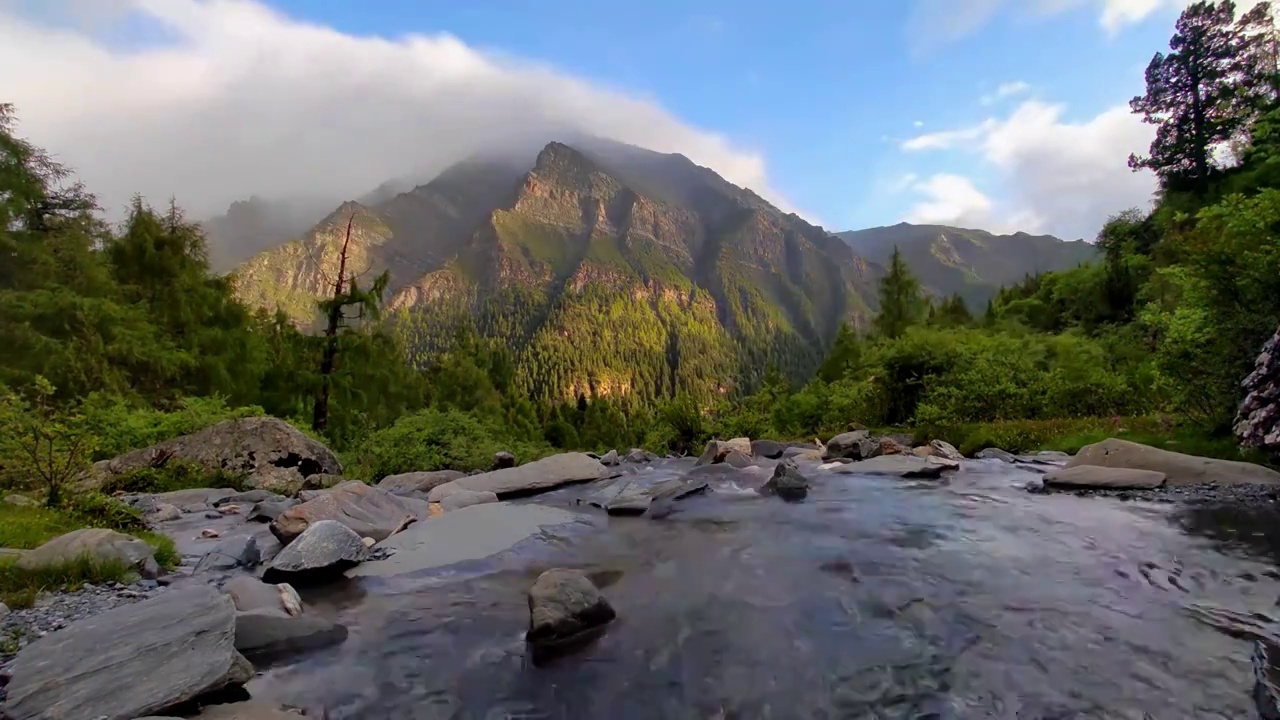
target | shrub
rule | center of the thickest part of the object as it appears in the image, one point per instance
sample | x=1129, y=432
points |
x=120, y=426
x=174, y=475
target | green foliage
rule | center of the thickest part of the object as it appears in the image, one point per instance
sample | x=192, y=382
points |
x=173, y=475
x=121, y=425
x=901, y=304
x=42, y=445
x=20, y=587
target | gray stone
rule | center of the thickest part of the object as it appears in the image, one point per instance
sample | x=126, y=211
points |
x=1257, y=422
x=324, y=549
x=1104, y=477
x=269, y=510
x=770, y=449
x=192, y=500
x=540, y=475
x=249, y=497
x=854, y=445
x=417, y=482
x=98, y=543
x=369, y=511
x=249, y=593
x=140, y=659
x=633, y=496
x=466, y=498
x=565, y=605
x=716, y=450
x=274, y=632
x=737, y=459
x=321, y=481
x=20, y=500
x=610, y=458
x=787, y=482
x=236, y=551
x=471, y=533
x=638, y=456
x=1179, y=468
x=503, y=460
x=996, y=454
x=164, y=512
x=945, y=450
x=903, y=466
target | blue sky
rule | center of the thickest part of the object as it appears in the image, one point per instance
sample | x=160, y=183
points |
x=999, y=114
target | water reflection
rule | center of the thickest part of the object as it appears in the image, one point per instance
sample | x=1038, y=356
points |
x=874, y=598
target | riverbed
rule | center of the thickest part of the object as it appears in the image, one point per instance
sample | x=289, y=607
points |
x=875, y=597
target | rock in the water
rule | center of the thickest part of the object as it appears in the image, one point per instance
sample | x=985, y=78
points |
x=1257, y=422
x=717, y=450
x=237, y=551
x=251, y=594
x=269, y=510
x=739, y=460
x=610, y=458
x=787, y=482
x=164, y=512
x=102, y=545
x=466, y=498
x=1179, y=468
x=503, y=460
x=996, y=454
x=565, y=607
x=269, y=632
x=1104, y=477
x=417, y=482
x=638, y=456
x=944, y=449
x=855, y=445
x=545, y=474
x=904, y=466
x=139, y=659
x=368, y=511
x=891, y=446
x=325, y=549
x=632, y=496
x=269, y=452
x=770, y=449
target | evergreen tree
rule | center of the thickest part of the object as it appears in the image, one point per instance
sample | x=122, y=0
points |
x=844, y=357
x=901, y=304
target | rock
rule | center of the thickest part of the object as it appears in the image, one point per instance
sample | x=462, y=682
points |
x=1179, y=468
x=787, y=482
x=1104, y=477
x=471, y=533
x=996, y=454
x=610, y=458
x=944, y=449
x=139, y=659
x=237, y=551
x=1257, y=422
x=366, y=510
x=1035, y=486
x=466, y=498
x=854, y=445
x=633, y=496
x=269, y=452
x=192, y=500
x=802, y=453
x=503, y=460
x=100, y=544
x=716, y=450
x=321, y=481
x=269, y=510
x=417, y=482
x=565, y=608
x=164, y=512
x=4, y=610
x=891, y=446
x=637, y=455
x=770, y=449
x=210, y=533
x=1266, y=679
x=325, y=549
x=370, y=542
x=20, y=500
x=739, y=460
x=540, y=475
x=250, y=497
x=274, y=632
x=904, y=466
x=943, y=462
x=229, y=509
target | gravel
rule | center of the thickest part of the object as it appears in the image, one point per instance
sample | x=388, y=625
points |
x=1206, y=493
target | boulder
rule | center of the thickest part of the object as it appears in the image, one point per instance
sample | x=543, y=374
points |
x=417, y=482
x=565, y=607
x=236, y=551
x=737, y=459
x=102, y=545
x=269, y=452
x=269, y=510
x=610, y=458
x=540, y=475
x=466, y=498
x=892, y=446
x=1180, y=469
x=799, y=452
x=503, y=460
x=139, y=659
x=854, y=445
x=20, y=500
x=996, y=454
x=366, y=510
x=326, y=548
x=637, y=455
x=1257, y=423
x=716, y=450
x=903, y=466
x=633, y=496
x=944, y=449
x=787, y=482
x=770, y=449
x=321, y=481
x=1096, y=476
x=944, y=462
x=164, y=512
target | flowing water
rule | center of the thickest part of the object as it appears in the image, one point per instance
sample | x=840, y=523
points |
x=873, y=598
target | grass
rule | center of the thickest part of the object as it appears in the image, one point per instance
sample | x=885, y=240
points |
x=20, y=587
x=173, y=475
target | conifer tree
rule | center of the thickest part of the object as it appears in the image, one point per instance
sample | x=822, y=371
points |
x=901, y=304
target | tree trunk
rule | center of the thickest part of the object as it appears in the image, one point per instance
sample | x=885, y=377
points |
x=320, y=414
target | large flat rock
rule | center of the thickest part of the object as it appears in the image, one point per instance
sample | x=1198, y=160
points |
x=1181, y=469
x=537, y=476
x=470, y=533
x=903, y=466
x=369, y=511
x=136, y=660
x=1096, y=476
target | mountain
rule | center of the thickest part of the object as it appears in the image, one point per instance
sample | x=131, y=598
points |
x=250, y=226
x=972, y=263
x=607, y=268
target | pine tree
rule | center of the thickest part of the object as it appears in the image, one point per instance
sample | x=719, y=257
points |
x=901, y=304
x=844, y=357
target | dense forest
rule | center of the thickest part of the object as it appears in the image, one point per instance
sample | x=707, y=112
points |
x=116, y=337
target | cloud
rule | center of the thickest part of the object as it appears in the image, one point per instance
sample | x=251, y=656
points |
x=950, y=200
x=1005, y=90
x=227, y=98
x=1059, y=176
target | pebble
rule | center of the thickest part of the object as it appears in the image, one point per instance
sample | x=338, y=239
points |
x=1198, y=494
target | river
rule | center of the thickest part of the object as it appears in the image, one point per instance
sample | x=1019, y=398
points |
x=874, y=598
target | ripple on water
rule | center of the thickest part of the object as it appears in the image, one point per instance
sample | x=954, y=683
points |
x=869, y=600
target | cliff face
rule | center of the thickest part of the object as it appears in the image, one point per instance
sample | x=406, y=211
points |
x=606, y=268
x=1258, y=420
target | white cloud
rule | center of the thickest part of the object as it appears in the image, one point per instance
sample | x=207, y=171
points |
x=239, y=99
x=950, y=200
x=1059, y=176
x=918, y=123
x=1005, y=90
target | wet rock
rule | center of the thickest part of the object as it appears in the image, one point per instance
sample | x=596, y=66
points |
x=250, y=497
x=995, y=454
x=1180, y=469
x=800, y=452
x=639, y=456
x=943, y=462
x=1257, y=423
x=540, y=475
x=193, y=500
x=1105, y=477
x=269, y=452
x=635, y=497
x=787, y=482
x=141, y=659
x=250, y=594
x=325, y=549
x=408, y=484
x=903, y=466
x=273, y=632
x=1266, y=679
x=892, y=446
x=770, y=449
x=565, y=608
x=237, y=551
x=854, y=445
x=944, y=449
x=503, y=460
x=366, y=510
x=1035, y=486
x=716, y=450
x=321, y=481
x=610, y=458
x=164, y=512
x=269, y=510
x=100, y=544
x=466, y=498
x=739, y=460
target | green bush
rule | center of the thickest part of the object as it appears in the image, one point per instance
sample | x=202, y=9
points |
x=121, y=426
x=174, y=475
